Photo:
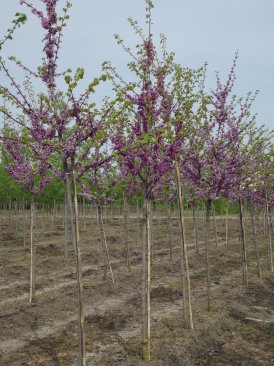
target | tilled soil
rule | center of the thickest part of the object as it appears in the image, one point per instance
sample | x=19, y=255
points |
x=237, y=331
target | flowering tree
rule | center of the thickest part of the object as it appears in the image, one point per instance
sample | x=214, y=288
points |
x=60, y=122
x=141, y=141
x=28, y=164
x=257, y=188
x=147, y=138
x=215, y=167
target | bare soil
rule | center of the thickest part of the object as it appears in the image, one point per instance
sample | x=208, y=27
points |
x=237, y=331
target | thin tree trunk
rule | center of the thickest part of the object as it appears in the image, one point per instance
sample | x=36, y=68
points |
x=182, y=268
x=151, y=234
x=126, y=229
x=44, y=218
x=73, y=210
x=84, y=214
x=226, y=226
x=9, y=208
x=254, y=229
x=244, y=258
x=16, y=211
x=194, y=204
x=25, y=218
x=104, y=246
x=170, y=230
x=32, y=252
x=146, y=280
x=215, y=225
x=189, y=323
x=66, y=227
x=269, y=233
x=112, y=215
x=138, y=223
x=148, y=262
x=207, y=227
x=264, y=219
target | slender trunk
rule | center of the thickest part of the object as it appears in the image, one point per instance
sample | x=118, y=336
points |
x=9, y=208
x=32, y=252
x=82, y=353
x=97, y=217
x=215, y=225
x=25, y=218
x=53, y=214
x=16, y=211
x=254, y=229
x=44, y=219
x=222, y=212
x=138, y=223
x=182, y=268
x=226, y=226
x=146, y=280
x=183, y=241
x=104, y=246
x=66, y=227
x=148, y=262
x=112, y=215
x=125, y=201
x=207, y=227
x=271, y=222
x=264, y=219
x=73, y=210
x=84, y=214
x=151, y=234
x=269, y=233
x=195, y=231
x=244, y=258
x=170, y=230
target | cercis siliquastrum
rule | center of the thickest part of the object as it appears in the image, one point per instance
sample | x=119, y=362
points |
x=59, y=121
x=213, y=169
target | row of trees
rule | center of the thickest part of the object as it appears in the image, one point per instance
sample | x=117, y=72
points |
x=161, y=136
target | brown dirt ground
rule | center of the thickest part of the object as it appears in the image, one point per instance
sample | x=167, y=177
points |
x=45, y=333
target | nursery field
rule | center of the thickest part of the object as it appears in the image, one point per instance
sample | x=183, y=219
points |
x=238, y=330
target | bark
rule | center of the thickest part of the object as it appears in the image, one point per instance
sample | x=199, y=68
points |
x=25, y=218
x=151, y=234
x=269, y=233
x=182, y=268
x=9, y=208
x=138, y=223
x=66, y=227
x=189, y=322
x=170, y=230
x=126, y=233
x=195, y=229
x=254, y=229
x=215, y=225
x=207, y=227
x=84, y=214
x=111, y=209
x=32, y=252
x=16, y=211
x=226, y=226
x=107, y=263
x=73, y=210
x=146, y=280
x=244, y=258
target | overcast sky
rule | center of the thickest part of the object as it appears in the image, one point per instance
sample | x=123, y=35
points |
x=196, y=30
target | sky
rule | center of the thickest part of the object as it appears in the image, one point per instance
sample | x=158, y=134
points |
x=197, y=31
